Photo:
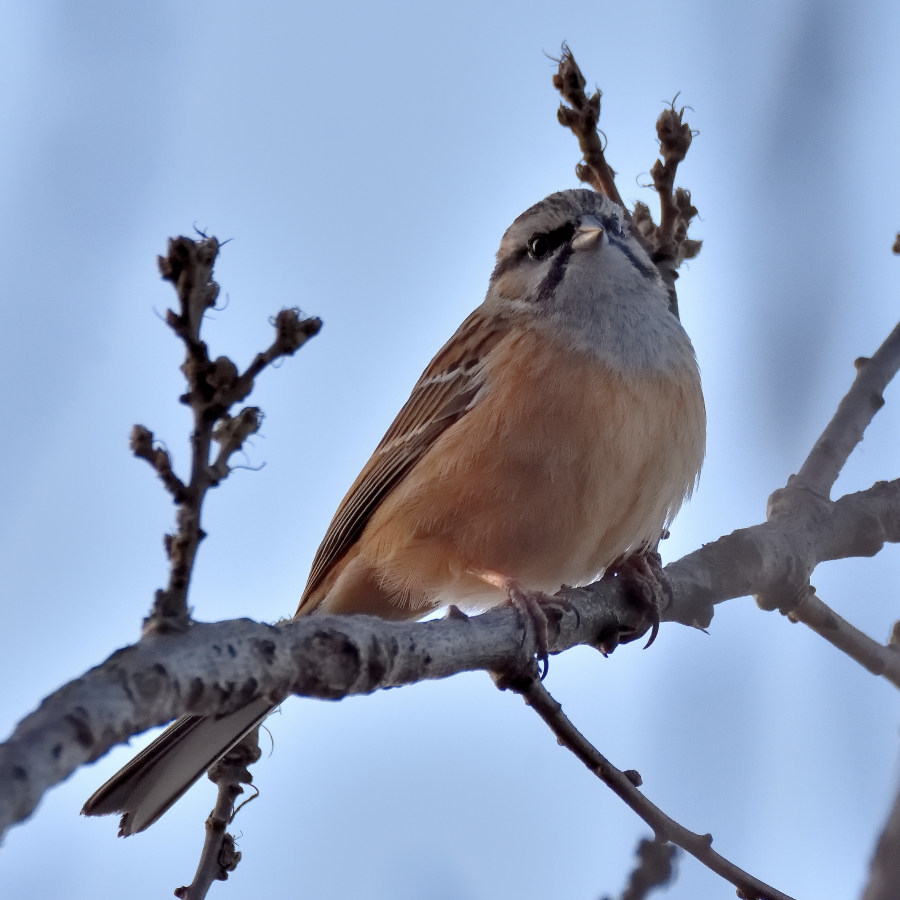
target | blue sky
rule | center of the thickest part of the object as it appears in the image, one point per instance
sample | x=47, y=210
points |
x=364, y=161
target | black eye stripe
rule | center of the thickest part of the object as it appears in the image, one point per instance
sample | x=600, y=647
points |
x=555, y=246
x=509, y=262
x=541, y=245
x=555, y=275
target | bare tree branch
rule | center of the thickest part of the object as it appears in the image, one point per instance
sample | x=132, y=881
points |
x=669, y=239
x=879, y=659
x=217, y=668
x=765, y=558
x=219, y=856
x=213, y=387
x=865, y=397
x=667, y=243
x=581, y=118
x=625, y=786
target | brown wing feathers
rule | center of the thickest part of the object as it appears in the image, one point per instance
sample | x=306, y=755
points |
x=440, y=398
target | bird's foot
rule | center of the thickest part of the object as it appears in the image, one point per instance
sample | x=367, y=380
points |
x=539, y=608
x=647, y=584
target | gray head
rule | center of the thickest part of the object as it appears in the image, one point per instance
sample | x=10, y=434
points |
x=571, y=263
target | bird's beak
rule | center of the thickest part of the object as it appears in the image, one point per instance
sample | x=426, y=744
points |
x=588, y=233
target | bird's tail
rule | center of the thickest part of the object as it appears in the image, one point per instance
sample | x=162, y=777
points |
x=151, y=782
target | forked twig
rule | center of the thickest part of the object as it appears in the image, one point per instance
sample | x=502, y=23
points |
x=214, y=386
x=667, y=243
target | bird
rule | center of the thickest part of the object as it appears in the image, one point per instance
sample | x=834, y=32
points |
x=558, y=431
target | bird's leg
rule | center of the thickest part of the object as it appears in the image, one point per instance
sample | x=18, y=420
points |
x=538, y=608
x=532, y=605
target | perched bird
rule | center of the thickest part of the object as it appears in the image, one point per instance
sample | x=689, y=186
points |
x=557, y=431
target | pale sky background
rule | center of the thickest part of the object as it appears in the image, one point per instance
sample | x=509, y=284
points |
x=365, y=160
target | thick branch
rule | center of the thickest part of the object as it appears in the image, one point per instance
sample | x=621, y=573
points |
x=216, y=668
x=763, y=559
x=220, y=667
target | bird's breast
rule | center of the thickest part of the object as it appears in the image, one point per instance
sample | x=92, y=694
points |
x=562, y=465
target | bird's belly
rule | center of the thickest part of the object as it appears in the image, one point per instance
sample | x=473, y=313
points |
x=548, y=493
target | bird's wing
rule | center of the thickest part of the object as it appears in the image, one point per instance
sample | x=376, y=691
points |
x=445, y=392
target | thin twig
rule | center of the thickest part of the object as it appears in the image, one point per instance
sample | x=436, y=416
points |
x=854, y=413
x=879, y=659
x=625, y=786
x=667, y=243
x=143, y=446
x=675, y=208
x=219, y=856
x=213, y=387
x=581, y=118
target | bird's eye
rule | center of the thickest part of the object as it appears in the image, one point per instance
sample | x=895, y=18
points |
x=541, y=246
x=538, y=246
